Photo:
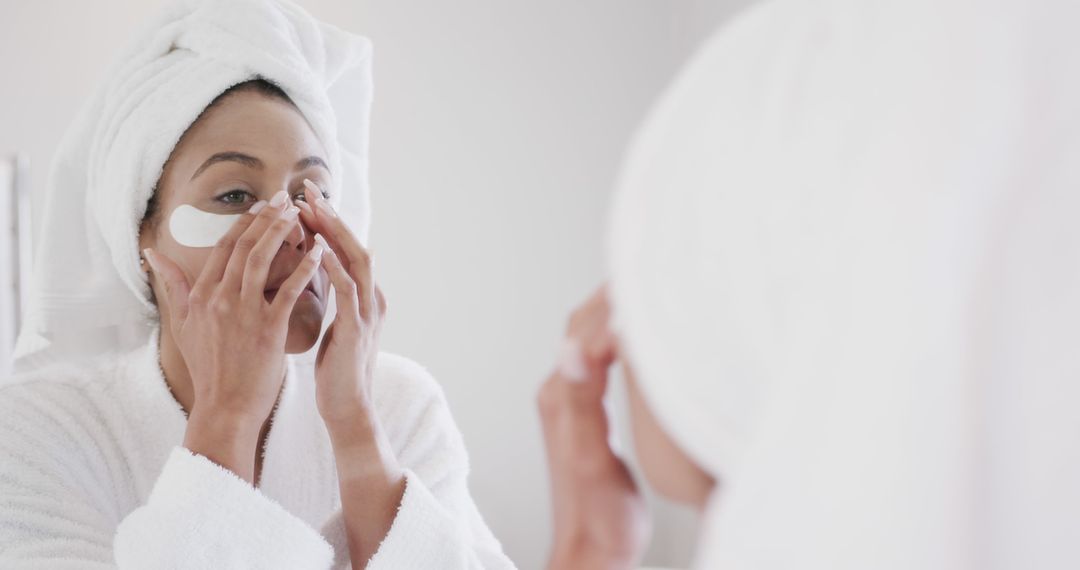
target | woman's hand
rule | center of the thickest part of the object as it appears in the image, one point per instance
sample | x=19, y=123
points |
x=345, y=364
x=372, y=483
x=231, y=338
x=600, y=517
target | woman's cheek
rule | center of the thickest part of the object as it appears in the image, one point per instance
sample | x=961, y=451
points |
x=193, y=260
x=668, y=469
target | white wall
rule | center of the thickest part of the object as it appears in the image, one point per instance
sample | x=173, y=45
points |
x=7, y=264
x=498, y=128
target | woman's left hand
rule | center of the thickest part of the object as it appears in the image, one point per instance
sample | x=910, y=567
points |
x=345, y=364
x=371, y=481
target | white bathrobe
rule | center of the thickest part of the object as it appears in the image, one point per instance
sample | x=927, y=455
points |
x=93, y=475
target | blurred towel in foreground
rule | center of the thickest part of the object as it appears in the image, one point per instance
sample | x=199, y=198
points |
x=846, y=265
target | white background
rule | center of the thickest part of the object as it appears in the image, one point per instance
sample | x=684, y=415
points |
x=498, y=130
x=7, y=264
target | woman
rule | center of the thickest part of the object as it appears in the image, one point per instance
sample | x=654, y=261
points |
x=202, y=443
x=844, y=283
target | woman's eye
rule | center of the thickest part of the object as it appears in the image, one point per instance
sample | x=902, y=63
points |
x=302, y=196
x=234, y=197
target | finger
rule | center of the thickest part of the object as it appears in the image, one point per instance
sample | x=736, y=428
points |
x=308, y=217
x=575, y=423
x=176, y=285
x=590, y=325
x=215, y=265
x=581, y=386
x=365, y=286
x=356, y=259
x=261, y=257
x=337, y=232
x=234, y=270
x=348, y=311
x=576, y=367
x=381, y=299
x=309, y=210
x=292, y=288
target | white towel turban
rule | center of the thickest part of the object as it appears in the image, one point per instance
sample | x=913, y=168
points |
x=88, y=294
x=845, y=260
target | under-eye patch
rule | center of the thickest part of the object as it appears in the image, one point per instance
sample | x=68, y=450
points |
x=192, y=227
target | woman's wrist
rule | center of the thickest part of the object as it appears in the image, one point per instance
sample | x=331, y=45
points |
x=371, y=483
x=227, y=440
x=354, y=425
x=361, y=449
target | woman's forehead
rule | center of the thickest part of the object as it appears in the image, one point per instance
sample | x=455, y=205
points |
x=251, y=124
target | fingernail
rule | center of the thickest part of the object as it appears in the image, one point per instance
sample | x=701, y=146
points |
x=279, y=199
x=257, y=207
x=149, y=256
x=290, y=212
x=571, y=361
x=314, y=188
x=316, y=252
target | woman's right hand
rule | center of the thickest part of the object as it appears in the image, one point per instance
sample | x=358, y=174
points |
x=600, y=517
x=231, y=338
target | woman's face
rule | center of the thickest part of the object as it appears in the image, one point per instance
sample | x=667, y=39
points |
x=246, y=148
x=666, y=466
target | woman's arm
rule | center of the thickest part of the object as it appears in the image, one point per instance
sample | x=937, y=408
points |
x=370, y=481
x=437, y=523
x=226, y=440
x=600, y=517
x=387, y=509
x=65, y=504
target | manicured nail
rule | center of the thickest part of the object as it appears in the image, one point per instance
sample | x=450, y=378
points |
x=279, y=199
x=316, y=252
x=290, y=212
x=257, y=207
x=314, y=188
x=571, y=361
x=149, y=256
x=322, y=241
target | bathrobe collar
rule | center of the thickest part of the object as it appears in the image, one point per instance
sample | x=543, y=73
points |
x=298, y=468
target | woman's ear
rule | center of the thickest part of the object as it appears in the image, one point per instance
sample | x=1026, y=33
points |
x=146, y=240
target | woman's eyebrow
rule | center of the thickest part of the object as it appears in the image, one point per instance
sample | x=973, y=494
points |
x=252, y=162
x=246, y=160
x=311, y=161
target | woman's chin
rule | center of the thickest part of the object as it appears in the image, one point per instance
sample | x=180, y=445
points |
x=305, y=324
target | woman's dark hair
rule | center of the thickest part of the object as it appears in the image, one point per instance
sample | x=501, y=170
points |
x=259, y=85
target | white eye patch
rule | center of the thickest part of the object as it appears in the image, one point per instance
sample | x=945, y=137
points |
x=193, y=227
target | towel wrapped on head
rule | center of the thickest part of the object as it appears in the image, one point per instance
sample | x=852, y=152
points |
x=88, y=294
x=844, y=260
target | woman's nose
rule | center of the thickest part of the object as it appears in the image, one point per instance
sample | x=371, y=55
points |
x=297, y=236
